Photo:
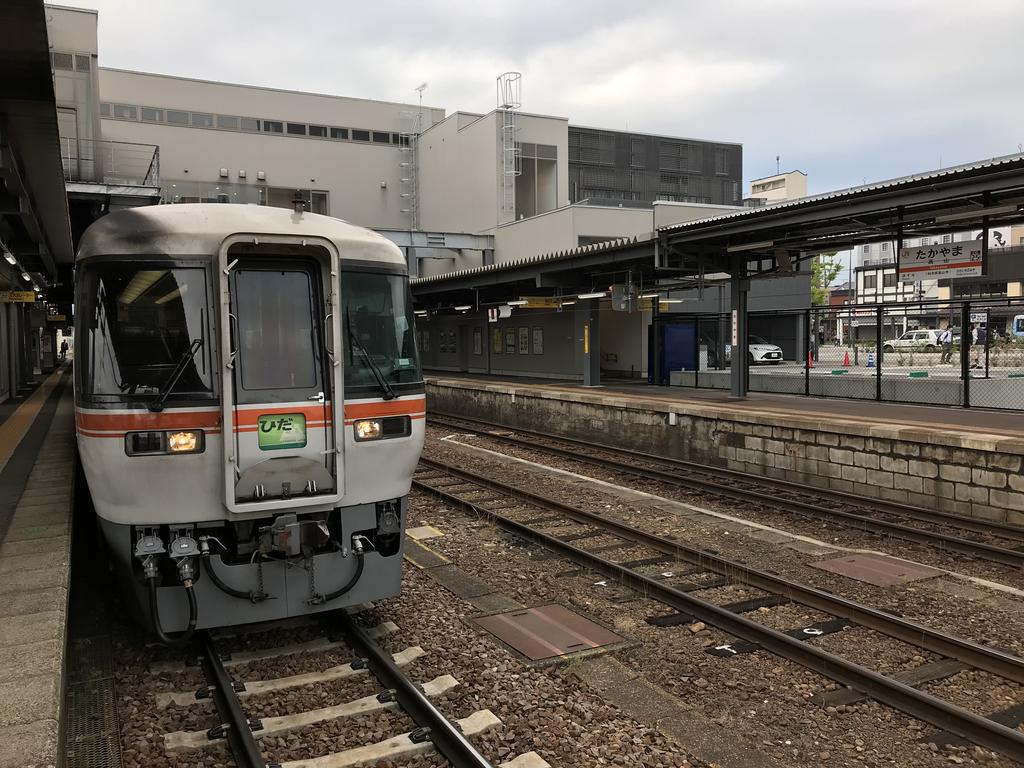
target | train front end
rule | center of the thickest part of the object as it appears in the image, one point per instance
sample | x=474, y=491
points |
x=250, y=410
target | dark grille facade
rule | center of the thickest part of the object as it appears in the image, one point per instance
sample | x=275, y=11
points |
x=620, y=168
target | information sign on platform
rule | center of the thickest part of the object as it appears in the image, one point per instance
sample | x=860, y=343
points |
x=928, y=262
x=23, y=297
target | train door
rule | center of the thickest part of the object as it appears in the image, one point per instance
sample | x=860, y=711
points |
x=282, y=383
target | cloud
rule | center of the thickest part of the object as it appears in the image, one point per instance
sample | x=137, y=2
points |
x=844, y=91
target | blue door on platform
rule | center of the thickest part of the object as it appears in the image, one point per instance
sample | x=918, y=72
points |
x=677, y=348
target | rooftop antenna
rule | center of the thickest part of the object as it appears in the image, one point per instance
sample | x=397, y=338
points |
x=777, y=166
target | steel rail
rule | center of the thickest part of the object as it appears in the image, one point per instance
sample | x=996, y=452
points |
x=237, y=728
x=445, y=736
x=937, y=712
x=979, y=656
x=1004, y=530
x=982, y=550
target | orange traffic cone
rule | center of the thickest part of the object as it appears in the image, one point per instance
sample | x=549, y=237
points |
x=810, y=363
x=846, y=359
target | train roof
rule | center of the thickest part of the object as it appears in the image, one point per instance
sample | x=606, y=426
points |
x=200, y=228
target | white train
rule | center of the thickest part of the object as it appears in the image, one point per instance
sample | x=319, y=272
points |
x=249, y=408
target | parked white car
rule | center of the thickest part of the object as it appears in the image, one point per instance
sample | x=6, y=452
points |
x=926, y=340
x=758, y=351
x=762, y=351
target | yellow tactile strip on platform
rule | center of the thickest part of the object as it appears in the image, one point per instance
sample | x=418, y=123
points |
x=34, y=574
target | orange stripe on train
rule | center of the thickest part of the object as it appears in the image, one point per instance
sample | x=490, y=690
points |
x=245, y=419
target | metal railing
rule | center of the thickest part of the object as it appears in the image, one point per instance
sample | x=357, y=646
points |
x=100, y=161
x=884, y=352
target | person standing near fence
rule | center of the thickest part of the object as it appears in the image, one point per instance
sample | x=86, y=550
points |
x=946, y=339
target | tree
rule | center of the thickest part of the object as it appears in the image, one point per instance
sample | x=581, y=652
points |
x=824, y=270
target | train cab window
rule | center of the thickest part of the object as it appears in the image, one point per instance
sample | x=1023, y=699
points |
x=378, y=330
x=277, y=334
x=143, y=323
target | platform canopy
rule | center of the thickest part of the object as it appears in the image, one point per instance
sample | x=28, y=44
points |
x=34, y=221
x=756, y=241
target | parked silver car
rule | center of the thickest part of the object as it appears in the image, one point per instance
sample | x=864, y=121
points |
x=922, y=339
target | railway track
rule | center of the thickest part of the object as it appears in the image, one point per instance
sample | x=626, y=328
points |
x=876, y=516
x=521, y=511
x=399, y=692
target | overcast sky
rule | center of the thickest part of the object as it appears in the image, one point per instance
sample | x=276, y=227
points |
x=845, y=91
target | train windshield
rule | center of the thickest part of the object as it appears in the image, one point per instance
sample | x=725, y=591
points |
x=142, y=324
x=379, y=339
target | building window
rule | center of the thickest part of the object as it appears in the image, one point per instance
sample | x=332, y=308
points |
x=273, y=126
x=202, y=120
x=177, y=117
x=885, y=247
x=249, y=123
x=151, y=115
x=124, y=111
x=870, y=282
x=360, y=135
x=318, y=130
x=339, y=133
x=228, y=122
x=637, y=153
x=379, y=137
x=721, y=161
x=104, y=109
x=296, y=129
x=82, y=63
x=947, y=238
x=889, y=280
x=867, y=248
x=62, y=61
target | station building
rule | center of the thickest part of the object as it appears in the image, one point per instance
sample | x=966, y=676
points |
x=454, y=190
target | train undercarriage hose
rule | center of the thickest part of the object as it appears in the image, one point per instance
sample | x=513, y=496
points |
x=253, y=596
x=347, y=586
x=154, y=615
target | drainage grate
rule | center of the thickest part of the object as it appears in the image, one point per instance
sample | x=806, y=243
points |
x=94, y=708
x=548, y=632
x=89, y=659
x=879, y=570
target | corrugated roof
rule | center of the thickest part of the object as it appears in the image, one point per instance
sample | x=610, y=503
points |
x=1006, y=160
x=545, y=258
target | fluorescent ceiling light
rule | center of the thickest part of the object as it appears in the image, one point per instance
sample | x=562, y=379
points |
x=568, y=303
x=750, y=246
x=516, y=303
x=994, y=210
x=600, y=295
x=10, y=257
x=463, y=308
x=672, y=301
x=649, y=295
x=141, y=282
x=180, y=291
x=25, y=277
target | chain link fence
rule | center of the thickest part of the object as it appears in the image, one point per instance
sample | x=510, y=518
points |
x=963, y=353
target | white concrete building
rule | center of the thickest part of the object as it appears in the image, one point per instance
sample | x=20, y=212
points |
x=782, y=186
x=438, y=184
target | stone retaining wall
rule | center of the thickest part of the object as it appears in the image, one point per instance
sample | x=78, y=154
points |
x=967, y=474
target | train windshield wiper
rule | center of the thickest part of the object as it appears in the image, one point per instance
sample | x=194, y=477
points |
x=179, y=369
x=389, y=392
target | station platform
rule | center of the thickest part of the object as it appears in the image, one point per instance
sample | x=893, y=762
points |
x=966, y=461
x=37, y=470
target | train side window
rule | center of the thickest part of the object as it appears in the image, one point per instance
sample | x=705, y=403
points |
x=141, y=323
x=378, y=324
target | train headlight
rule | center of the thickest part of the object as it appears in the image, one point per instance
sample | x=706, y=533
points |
x=368, y=429
x=184, y=442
